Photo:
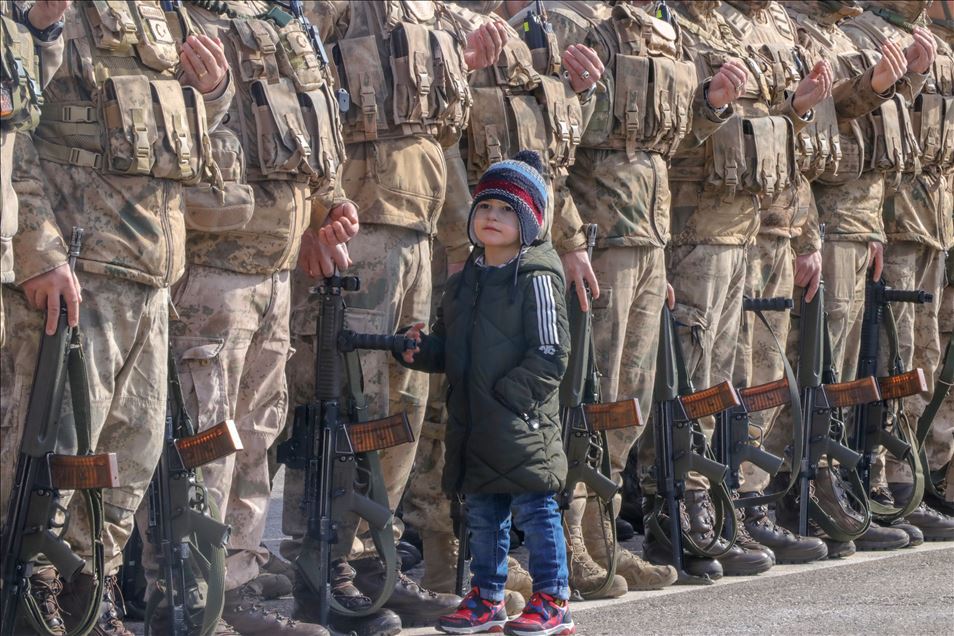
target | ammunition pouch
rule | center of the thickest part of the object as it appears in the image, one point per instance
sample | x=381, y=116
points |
x=818, y=145
x=852, y=164
x=755, y=155
x=933, y=115
x=20, y=91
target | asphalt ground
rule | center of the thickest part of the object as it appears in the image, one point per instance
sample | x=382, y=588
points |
x=908, y=592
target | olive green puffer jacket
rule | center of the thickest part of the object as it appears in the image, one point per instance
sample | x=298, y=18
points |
x=502, y=338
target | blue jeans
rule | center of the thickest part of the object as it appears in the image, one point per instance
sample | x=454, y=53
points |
x=537, y=514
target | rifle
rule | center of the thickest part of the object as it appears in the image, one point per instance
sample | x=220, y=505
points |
x=681, y=447
x=338, y=451
x=822, y=397
x=32, y=527
x=310, y=30
x=733, y=436
x=188, y=540
x=870, y=420
x=586, y=418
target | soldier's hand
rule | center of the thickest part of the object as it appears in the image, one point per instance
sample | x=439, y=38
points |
x=808, y=273
x=45, y=13
x=583, y=67
x=578, y=270
x=317, y=258
x=203, y=63
x=727, y=85
x=414, y=333
x=920, y=53
x=670, y=296
x=889, y=69
x=876, y=259
x=43, y=293
x=485, y=45
x=815, y=87
x=341, y=225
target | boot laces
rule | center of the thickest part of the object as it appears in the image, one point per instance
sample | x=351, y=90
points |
x=46, y=591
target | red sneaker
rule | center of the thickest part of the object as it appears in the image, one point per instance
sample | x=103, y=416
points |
x=474, y=615
x=544, y=615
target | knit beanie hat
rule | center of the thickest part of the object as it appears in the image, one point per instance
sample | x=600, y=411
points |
x=520, y=184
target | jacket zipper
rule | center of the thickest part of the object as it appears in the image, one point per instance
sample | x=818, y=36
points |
x=466, y=383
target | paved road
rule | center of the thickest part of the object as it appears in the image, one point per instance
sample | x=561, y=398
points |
x=909, y=592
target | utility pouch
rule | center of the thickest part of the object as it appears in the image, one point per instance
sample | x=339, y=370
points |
x=297, y=58
x=112, y=25
x=727, y=162
x=887, y=148
x=782, y=72
x=358, y=64
x=771, y=155
x=412, y=66
x=672, y=86
x=182, y=125
x=156, y=47
x=818, y=145
x=257, y=50
x=632, y=75
x=852, y=163
x=514, y=68
x=500, y=126
x=564, y=119
x=283, y=141
x=211, y=210
x=320, y=111
x=450, y=90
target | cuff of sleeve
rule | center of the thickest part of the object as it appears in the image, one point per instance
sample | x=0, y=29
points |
x=716, y=115
x=806, y=244
x=798, y=122
x=572, y=243
x=214, y=97
x=37, y=253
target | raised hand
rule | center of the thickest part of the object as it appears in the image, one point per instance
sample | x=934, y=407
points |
x=203, y=63
x=583, y=67
x=485, y=45
x=45, y=13
x=814, y=88
x=920, y=53
x=889, y=69
x=728, y=84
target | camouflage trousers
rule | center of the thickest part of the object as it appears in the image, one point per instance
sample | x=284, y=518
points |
x=942, y=431
x=124, y=328
x=845, y=271
x=770, y=274
x=626, y=336
x=916, y=266
x=708, y=281
x=394, y=265
x=231, y=344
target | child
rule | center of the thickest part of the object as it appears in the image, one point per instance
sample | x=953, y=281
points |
x=501, y=337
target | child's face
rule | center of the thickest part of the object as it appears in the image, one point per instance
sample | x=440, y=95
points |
x=496, y=224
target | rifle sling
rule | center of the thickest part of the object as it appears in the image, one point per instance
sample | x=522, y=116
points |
x=941, y=388
x=92, y=498
x=798, y=434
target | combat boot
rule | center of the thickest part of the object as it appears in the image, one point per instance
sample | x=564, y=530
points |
x=877, y=538
x=787, y=547
x=638, y=574
x=45, y=588
x=587, y=576
x=77, y=592
x=440, y=561
x=737, y=561
x=381, y=623
x=414, y=604
x=883, y=496
x=273, y=585
x=786, y=516
x=277, y=565
x=244, y=612
x=657, y=553
x=518, y=580
x=159, y=626
x=935, y=525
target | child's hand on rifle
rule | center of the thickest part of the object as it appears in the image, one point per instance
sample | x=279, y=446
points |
x=414, y=333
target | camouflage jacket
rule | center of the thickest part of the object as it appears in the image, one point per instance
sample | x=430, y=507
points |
x=255, y=225
x=848, y=201
x=49, y=54
x=133, y=221
x=909, y=215
x=626, y=194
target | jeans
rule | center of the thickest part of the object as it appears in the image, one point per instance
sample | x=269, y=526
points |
x=537, y=514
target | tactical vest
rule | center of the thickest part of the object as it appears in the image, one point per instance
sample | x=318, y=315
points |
x=752, y=153
x=401, y=71
x=647, y=103
x=290, y=124
x=20, y=91
x=521, y=102
x=891, y=144
x=933, y=113
x=138, y=119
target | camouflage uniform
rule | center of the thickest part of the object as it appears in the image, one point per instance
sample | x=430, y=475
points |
x=128, y=198
x=917, y=223
x=232, y=339
x=21, y=111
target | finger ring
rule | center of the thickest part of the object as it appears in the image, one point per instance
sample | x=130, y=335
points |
x=585, y=75
x=203, y=74
x=739, y=86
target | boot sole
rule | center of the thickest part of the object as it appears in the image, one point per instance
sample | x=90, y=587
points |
x=818, y=555
x=492, y=627
x=880, y=547
x=938, y=538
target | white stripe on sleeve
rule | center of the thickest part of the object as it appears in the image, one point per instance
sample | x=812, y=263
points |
x=546, y=311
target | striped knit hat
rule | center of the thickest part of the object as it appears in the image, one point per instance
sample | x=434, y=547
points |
x=519, y=183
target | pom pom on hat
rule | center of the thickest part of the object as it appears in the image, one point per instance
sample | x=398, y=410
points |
x=520, y=183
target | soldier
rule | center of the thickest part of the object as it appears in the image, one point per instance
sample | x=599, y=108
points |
x=401, y=68
x=34, y=44
x=232, y=339
x=918, y=226
x=941, y=449
x=111, y=163
x=849, y=193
